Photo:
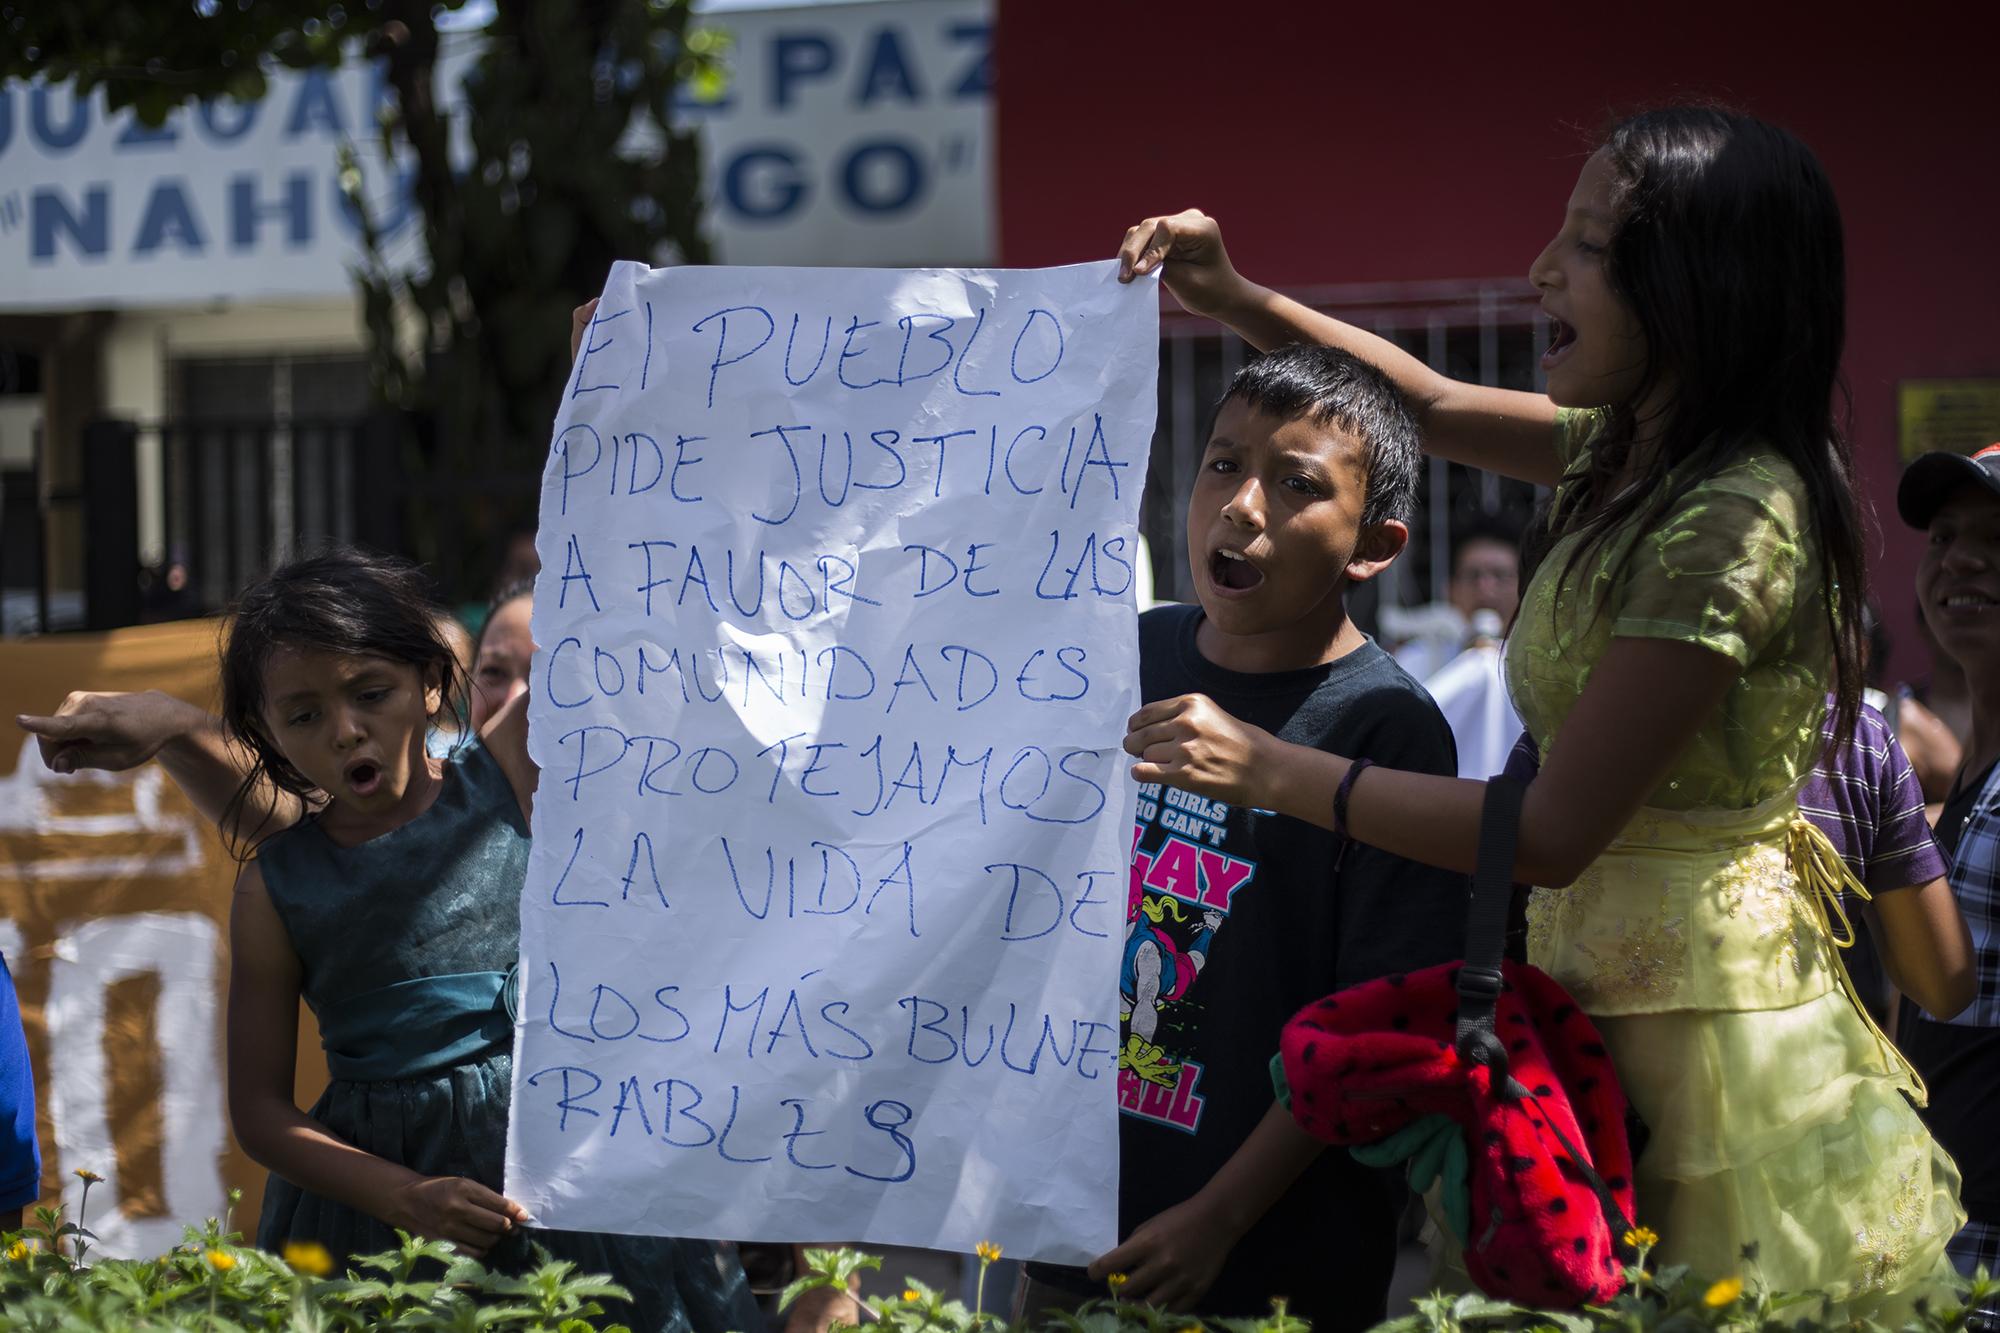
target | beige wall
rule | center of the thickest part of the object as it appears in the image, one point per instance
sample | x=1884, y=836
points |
x=142, y=343
x=141, y=346
x=19, y=420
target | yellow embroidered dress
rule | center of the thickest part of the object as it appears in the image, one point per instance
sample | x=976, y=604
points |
x=1776, y=1114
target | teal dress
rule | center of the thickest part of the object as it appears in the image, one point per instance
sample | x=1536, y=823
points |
x=408, y=942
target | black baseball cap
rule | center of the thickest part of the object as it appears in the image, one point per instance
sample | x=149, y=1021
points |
x=1929, y=482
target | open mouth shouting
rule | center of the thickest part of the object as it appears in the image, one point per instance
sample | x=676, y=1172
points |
x=363, y=777
x=1562, y=337
x=1233, y=573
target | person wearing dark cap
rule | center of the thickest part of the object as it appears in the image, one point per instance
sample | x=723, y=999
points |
x=1955, y=501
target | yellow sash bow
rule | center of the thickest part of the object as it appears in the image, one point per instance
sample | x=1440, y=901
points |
x=1823, y=876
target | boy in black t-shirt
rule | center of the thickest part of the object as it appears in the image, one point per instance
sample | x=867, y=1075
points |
x=1238, y=917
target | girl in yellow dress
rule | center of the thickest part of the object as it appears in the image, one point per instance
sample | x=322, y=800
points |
x=1672, y=657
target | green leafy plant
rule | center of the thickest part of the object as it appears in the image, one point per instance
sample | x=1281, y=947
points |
x=1663, y=1301
x=213, y=1281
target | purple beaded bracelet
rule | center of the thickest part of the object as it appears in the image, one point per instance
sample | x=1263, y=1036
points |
x=1342, y=792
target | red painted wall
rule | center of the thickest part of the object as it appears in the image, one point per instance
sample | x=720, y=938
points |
x=1343, y=143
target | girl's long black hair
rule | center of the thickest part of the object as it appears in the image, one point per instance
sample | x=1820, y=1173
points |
x=1728, y=250
x=340, y=600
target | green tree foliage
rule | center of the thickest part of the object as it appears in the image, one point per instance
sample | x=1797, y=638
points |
x=575, y=161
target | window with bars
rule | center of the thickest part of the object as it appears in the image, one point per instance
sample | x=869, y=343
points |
x=258, y=461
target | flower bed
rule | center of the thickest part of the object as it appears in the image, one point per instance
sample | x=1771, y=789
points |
x=1652, y=1302
x=48, y=1281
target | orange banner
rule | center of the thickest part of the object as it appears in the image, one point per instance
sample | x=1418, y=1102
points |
x=114, y=918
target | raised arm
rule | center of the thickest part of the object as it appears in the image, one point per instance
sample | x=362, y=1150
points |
x=264, y=980
x=1499, y=430
x=116, y=732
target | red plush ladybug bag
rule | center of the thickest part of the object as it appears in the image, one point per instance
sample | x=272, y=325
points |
x=1485, y=1071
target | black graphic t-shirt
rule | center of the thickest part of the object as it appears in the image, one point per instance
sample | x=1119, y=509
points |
x=1235, y=919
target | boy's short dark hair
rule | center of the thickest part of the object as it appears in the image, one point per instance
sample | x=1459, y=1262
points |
x=1330, y=387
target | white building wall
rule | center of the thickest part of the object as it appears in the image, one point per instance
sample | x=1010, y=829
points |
x=849, y=133
x=141, y=347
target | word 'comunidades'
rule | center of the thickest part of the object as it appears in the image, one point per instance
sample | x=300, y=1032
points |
x=948, y=675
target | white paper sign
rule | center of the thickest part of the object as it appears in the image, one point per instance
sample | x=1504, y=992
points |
x=837, y=643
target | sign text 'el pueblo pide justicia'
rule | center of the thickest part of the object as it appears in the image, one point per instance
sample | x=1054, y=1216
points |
x=836, y=647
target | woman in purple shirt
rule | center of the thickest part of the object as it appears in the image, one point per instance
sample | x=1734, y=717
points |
x=1866, y=798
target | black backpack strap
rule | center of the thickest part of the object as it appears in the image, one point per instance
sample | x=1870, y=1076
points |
x=1479, y=981
x=1615, y=1220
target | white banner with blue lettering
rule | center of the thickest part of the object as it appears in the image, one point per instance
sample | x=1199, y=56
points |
x=837, y=641
x=845, y=133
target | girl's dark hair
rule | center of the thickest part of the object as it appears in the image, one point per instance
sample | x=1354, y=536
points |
x=341, y=600
x=1875, y=635
x=1728, y=251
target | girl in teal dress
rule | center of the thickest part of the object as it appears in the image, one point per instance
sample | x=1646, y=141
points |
x=1671, y=657
x=393, y=911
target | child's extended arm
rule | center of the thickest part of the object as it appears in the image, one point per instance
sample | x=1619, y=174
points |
x=1642, y=705
x=120, y=731
x=1926, y=947
x=263, y=1049
x=1500, y=430
x=1172, y=1259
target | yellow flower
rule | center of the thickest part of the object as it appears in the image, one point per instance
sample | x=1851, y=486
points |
x=1117, y=1280
x=912, y=1294
x=89, y=1177
x=309, y=1256
x=1723, y=1292
x=987, y=1251
x=18, y=1251
x=1642, y=1238
x=222, y=1260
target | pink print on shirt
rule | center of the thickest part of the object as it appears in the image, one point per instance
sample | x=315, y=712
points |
x=1180, y=894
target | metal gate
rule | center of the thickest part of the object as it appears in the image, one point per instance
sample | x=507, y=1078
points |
x=238, y=495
